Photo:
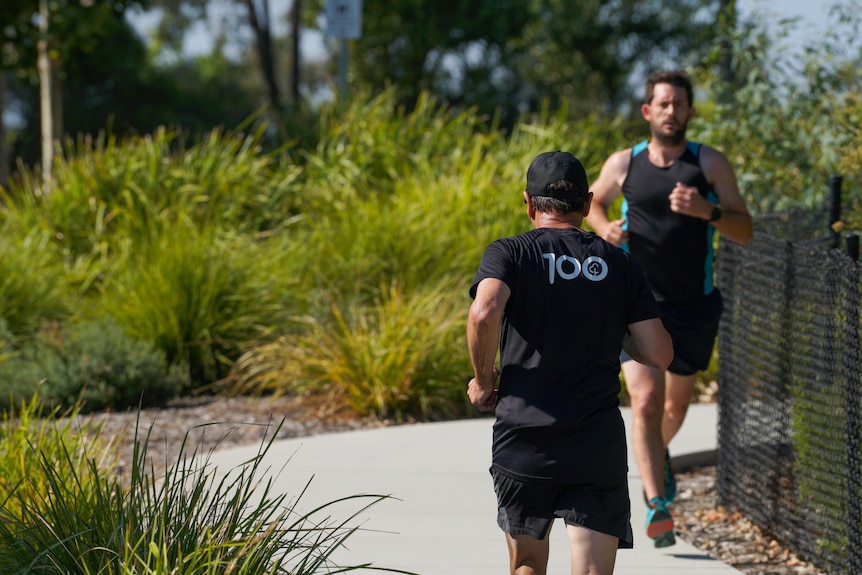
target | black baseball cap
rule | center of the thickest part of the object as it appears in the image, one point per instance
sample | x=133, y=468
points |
x=549, y=167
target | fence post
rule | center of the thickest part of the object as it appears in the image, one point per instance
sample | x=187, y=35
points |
x=835, y=207
x=853, y=423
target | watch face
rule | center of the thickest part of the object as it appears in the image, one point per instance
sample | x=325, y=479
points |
x=716, y=214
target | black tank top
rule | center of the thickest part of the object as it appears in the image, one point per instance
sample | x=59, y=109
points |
x=674, y=250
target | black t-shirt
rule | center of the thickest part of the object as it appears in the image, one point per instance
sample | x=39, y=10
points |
x=572, y=296
x=674, y=250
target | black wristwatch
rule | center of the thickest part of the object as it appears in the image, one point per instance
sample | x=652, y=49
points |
x=716, y=214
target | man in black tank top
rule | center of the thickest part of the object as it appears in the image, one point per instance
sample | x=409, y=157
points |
x=675, y=195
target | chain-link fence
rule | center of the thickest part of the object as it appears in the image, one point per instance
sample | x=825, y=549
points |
x=790, y=378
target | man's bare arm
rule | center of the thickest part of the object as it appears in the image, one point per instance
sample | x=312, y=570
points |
x=735, y=222
x=647, y=342
x=483, y=339
x=606, y=188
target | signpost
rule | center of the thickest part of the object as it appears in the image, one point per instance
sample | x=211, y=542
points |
x=343, y=21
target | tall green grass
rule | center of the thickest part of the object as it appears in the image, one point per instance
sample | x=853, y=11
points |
x=33, y=437
x=107, y=190
x=198, y=295
x=398, y=357
x=33, y=288
x=210, y=249
x=65, y=511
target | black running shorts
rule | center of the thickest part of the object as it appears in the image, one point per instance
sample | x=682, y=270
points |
x=530, y=507
x=692, y=327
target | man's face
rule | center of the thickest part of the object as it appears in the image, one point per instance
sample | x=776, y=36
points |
x=668, y=113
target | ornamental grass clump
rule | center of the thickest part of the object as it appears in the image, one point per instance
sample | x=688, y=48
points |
x=395, y=357
x=70, y=514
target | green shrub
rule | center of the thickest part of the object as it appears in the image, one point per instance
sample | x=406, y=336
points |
x=792, y=118
x=93, y=362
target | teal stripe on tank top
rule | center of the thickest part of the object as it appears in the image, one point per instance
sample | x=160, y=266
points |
x=708, y=264
x=624, y=213
x=708, y=267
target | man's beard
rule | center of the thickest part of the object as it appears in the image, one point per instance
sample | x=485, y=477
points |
x=675, y=138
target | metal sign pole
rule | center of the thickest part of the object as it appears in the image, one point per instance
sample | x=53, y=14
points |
x=342, y=73
x=343, y=21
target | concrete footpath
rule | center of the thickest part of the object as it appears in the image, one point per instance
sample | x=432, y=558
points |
x=441, y=519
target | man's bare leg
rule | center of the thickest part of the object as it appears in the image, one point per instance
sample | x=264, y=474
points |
x=593, y=553
x=645, y=386
x=678, y=392
x=528, y=556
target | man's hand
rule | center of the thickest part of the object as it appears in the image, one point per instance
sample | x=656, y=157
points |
x=686, y=200
x=483, y=397
x=614, y=233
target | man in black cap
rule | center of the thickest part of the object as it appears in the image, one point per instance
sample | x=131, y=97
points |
x=560, y=303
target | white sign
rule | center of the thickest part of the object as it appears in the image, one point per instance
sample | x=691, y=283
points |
x=344, y=18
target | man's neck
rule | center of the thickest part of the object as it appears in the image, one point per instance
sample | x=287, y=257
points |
x=545, y=220
x=664, y=154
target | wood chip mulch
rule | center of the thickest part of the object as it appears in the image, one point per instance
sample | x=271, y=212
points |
x=727, y=535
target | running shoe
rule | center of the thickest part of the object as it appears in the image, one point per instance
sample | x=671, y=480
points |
x=659, y=523
x=669, y=480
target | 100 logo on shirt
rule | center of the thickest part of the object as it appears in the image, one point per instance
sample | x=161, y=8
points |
x=594, y=268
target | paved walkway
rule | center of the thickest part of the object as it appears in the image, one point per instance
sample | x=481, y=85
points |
x=443, y=521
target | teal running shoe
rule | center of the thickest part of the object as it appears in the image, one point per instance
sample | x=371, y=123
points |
x=659, y=523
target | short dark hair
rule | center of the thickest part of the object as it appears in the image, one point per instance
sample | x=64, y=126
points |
x=551, y=205
x=676, y=78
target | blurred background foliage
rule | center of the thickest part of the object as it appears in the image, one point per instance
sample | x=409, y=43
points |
x=216, y=226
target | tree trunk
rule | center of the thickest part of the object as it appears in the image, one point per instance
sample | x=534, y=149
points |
x=296, y=22
x=57, y=117
x=263, y=42
x=4, y=153
x=726, y=25
x=45, y=107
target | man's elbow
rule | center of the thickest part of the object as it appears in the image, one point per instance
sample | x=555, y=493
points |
x=483, y=314
x=662, y=352
x=744, y=236
x=744, y=233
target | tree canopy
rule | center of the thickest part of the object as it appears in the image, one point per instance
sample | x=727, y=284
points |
x=503, y=57
x=513, y=54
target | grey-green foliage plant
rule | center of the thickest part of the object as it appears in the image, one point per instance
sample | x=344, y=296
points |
x=196, y=519
x=93, y=363
x=789, y=120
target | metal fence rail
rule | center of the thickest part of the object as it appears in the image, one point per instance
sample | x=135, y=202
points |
x=790, y=388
